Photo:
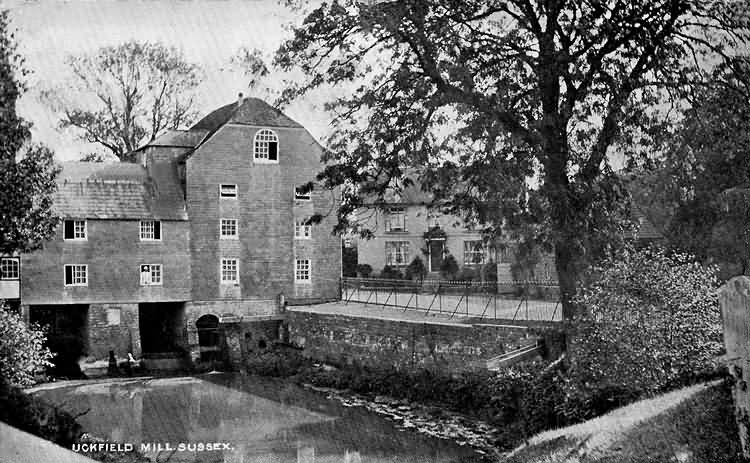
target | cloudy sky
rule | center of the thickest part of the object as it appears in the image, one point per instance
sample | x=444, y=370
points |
x=208, y=32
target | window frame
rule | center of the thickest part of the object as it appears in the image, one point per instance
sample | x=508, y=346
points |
x=227, y=196
x=224, y=261
x=390, y=214
x=400, y=245
x=151, y=274
x=302, y=231
x=302, y=196
x=17, y=261
x=257, y=156
x=73, y=275
x=298, y=270
x=154, y=224
x=473, y=252
x=85, y=236
x=236, y=223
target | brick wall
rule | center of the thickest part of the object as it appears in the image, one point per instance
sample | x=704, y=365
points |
x=266, y=211
x=113, y=252
x=341, y=339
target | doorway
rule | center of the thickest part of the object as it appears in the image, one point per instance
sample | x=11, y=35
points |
x=436, y=249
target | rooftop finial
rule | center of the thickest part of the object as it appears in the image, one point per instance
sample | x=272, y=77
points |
x=240, y=99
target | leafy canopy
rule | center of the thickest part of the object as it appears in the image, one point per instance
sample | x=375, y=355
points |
x=125, y=95
x=480, y=96
x=27, y=171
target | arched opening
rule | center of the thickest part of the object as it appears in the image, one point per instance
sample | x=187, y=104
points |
x=266, y=146
x=209, y=338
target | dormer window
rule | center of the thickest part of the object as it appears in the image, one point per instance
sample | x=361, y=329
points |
x=266, y=146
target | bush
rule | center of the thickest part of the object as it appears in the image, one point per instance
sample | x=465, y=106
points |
x=651, y=321
x=416, y=269
x=468, y=274
x=490, y=272
x=33, y=415
x=364, y=270
x=390, y=273
x=22, y=351
x=449, y=267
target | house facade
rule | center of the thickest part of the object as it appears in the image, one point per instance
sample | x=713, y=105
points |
x=193, y=250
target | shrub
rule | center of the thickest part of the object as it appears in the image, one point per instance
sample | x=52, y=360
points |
x=416, y=269
x=390, y=273
x=22, y=351
x=651, y=321
x=364, y=270
x=490, y=272
x=449, y=267
x=468, y=274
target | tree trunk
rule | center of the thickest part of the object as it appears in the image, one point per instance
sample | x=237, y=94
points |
x=567, y=274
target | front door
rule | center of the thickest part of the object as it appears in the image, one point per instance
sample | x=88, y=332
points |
x=436, y=254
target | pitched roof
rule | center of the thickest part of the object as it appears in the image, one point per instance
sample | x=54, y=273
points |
x=117, y=191
x=180, y=138
x=251, y=111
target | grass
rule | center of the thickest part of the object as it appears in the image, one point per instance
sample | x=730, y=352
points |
x=691, y=425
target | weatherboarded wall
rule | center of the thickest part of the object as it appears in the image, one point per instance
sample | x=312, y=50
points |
x=735, y=307
x=339, y=339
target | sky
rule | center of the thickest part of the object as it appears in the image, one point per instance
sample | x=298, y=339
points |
x=208, y=32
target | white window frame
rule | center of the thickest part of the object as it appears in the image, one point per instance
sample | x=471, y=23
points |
x=225, y=261
x=393, y=249
x=153, y=230
x=303, y=267
x=261, y=141
x=395, y=214
x=302, y=196
x=5, y=266
x=230, y=186
x=76, y=267
x=470, y=252
x=227, y=222
x=302, y=231
x=76, y=231
x=153, y=269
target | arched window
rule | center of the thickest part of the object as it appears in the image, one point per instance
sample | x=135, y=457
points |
x=266, y=146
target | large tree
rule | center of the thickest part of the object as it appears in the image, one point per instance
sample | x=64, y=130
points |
x=481, y=95
x=27, y=171
x=125, y=95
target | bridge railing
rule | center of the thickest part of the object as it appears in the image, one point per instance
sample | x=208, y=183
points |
x=536, y=300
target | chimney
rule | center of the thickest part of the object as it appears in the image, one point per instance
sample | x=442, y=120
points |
x=240, y=99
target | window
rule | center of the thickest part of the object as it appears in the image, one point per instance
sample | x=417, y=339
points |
x=300, y=194
x=302, y=230
x=150, y=274
x=473, y=252
x=396, y=253
x=9, y=268
x=395, y=220
x=266, y=146
x=229, y=271
x=150, y=230
x=227, y=190
x=76, y=275
x=302, y=270
x=228, y=229
x=75, y=230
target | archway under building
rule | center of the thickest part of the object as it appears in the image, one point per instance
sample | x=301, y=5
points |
x=67, y=335
x=209, y=338
x=162, y=327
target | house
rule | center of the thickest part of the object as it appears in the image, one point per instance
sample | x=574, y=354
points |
x=193, y=250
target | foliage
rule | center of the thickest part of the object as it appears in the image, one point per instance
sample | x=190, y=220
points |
x=651, y=322
x=467, y=274
x=349, y=261
x=391, y=273
x=364, y=270
x=27, y=170
x=22, y=351
x=449, y=267
x=31, y=414
x=477, y=96
x=416, y=269
x=127, y=94
x=490, y=271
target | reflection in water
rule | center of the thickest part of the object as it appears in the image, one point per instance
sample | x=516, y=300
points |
x=252, y=420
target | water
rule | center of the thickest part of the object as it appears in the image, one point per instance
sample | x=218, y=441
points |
x=253, y=420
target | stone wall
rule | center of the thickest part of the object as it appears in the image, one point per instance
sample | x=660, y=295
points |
x=734, y=298
x=113, y=327
x=339, y=339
